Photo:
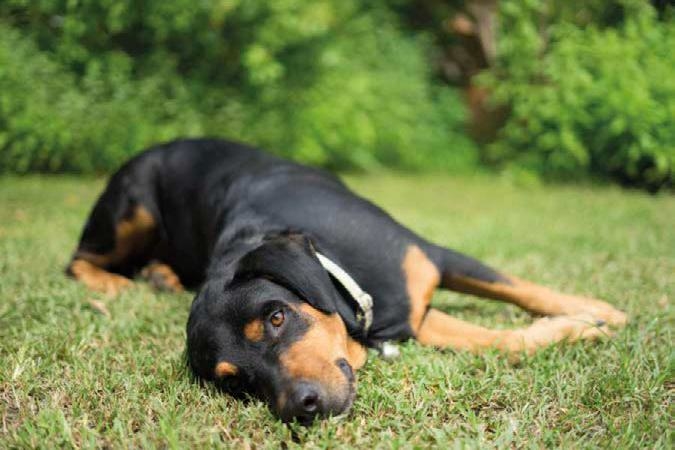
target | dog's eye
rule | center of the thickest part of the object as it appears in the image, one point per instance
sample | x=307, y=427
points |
x=277, y=318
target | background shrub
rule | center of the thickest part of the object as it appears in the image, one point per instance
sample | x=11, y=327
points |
x=329, y=82
x=587, y=98
x=588, y=84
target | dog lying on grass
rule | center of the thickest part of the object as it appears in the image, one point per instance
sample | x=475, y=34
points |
x=296, y=275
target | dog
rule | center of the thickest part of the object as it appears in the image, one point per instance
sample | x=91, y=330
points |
x=295, y=275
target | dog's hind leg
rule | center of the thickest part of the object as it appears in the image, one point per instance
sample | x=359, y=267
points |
x=463, y=274
x=118, y=238
x=444, y=331
x=96, y=278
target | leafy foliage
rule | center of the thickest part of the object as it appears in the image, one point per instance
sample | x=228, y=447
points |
x=329, y=82
x=337, y=83
x=587, y=99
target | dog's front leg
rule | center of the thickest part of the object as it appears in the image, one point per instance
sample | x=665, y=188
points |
x=444, y=331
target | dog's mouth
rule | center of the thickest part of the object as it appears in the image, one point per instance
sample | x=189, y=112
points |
x=349, y=401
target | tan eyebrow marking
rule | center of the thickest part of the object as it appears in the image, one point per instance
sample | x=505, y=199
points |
x=254, y=330
x=225, y=369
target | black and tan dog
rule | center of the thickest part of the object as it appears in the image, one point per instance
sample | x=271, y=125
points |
x=283, y=256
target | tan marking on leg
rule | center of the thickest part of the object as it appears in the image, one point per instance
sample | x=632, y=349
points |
x=132, y=236
x=162, y=277
x=441, y=330
x=98, y=279
x=536, y=298
x=254, y=330
x=225, y=369
x=422, y=277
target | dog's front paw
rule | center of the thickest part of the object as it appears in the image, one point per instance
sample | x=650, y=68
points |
x=605, y=312
x=549, y=330
x=572, y=305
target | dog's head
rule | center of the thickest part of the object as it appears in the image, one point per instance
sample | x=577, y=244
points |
x=270, y=328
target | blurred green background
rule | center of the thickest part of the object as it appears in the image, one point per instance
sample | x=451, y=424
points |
x=543, y=90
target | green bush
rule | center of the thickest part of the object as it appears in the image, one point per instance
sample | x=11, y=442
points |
x=50, y=121
x=338, y=83
x=587, y=99
x=331, y=82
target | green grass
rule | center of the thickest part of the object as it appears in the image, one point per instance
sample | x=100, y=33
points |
x=72, y=376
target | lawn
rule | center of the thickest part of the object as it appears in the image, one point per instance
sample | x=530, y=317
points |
x=78, y=369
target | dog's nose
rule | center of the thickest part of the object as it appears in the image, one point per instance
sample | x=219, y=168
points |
x=306, y=402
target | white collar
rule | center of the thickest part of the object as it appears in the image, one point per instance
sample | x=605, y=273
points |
x=364, y=300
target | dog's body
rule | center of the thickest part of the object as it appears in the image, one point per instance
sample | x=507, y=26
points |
x=247, y=228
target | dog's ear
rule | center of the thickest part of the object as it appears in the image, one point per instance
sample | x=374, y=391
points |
x=290, y=261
